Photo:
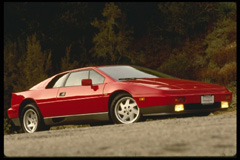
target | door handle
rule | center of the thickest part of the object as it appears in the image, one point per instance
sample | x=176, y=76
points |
x=62, y=94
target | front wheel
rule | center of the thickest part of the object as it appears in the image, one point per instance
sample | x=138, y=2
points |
x=31, y=119
x=124, y=109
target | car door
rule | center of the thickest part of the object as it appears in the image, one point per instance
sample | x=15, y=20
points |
x=74, y=98
x=48, y=97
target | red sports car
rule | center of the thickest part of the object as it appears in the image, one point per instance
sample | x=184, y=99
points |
x=120, y=93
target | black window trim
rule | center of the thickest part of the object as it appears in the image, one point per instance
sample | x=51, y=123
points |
x=66, y=80
x=61, y=75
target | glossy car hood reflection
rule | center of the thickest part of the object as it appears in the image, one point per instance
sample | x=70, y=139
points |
x=165, y=83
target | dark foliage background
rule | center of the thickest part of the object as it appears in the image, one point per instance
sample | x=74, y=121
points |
x=191, y=40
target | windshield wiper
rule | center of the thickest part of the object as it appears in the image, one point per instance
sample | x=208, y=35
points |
x=133, y=78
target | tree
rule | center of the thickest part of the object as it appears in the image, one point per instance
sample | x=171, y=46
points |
x=185, y=19
x=113, y=40
x=12, y=52
x=24, y=66
x=65, y=62
x=34, y=64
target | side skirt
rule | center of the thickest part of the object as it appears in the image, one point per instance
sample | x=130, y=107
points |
x=76, y=119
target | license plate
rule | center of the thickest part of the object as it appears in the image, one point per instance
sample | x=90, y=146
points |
x=207, y=99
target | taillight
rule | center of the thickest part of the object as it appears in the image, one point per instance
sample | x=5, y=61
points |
x=179, y=99
x=228, y=97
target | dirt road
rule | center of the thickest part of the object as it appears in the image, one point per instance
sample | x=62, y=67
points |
x=213, y=135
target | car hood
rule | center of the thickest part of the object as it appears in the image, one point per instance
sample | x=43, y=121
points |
x=167, y=84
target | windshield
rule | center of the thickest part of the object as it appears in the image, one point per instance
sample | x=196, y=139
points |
x=131, y=72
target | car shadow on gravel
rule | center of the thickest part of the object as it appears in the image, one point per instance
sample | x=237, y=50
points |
x=154, y=117
x=161, y=117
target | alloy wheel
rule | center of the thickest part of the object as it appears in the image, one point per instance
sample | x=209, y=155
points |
x=30, y=120
x=126, y=110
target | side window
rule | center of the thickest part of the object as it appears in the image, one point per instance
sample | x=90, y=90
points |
x=75, y=78
x=60, y=81
x=96, y=77
x=57, y=81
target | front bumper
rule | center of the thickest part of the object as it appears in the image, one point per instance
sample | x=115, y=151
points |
x=188, y=108
x=13, y=115
x=12, y=112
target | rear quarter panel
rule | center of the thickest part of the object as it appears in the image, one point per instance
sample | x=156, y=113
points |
x=42, y=98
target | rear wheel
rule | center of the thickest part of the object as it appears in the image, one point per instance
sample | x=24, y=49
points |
x=31, y=119
x=124, y=109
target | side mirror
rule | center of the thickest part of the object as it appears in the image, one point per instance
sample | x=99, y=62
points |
x=86, y=82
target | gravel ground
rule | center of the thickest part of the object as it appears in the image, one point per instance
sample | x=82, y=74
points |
x=213, y=135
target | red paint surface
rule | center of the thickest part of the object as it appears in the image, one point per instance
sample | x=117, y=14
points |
x=88, y=99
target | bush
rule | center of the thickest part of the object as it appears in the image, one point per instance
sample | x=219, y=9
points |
x=224, y=55
x=7, y=126
x=221, y=51
x=232, y=86
x=221, y=67
x=227, y=73
x=10, y=128
x=176, y=65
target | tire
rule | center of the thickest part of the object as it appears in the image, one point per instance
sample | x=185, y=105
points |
x=124, y=109
x=31, y=119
